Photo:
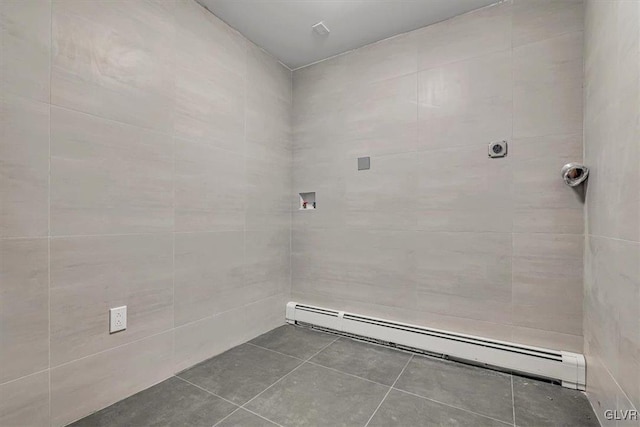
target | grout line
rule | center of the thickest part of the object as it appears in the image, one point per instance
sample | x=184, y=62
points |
x=232, y=412
x=113, y=348
x=346, y=373
x=25, y=376
x=264, y=418
x=273, y=351
x=208, y=391
x=389, y=391
x=238, y=407
x=49, y=209
x=450, y=406
x=280, y=379
x=289, y=373
x=513, y=402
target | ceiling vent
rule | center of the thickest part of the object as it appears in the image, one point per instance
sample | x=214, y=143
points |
x=321, y=29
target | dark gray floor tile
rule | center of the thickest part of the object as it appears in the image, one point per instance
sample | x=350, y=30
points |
x=170, y=403
x=317, y=396
x=240, y=373
x=402, y=409
x=295, y=341
x=539, y=403
x=242, y=418
x=365, y=360
x=468, y=387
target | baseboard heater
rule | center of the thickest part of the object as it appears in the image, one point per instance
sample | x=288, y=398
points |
x=565, y=367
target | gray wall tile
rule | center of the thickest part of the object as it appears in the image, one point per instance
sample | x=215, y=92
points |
x=24, y=166
x=108, y=177
x=462, y=189
x=612, y=253
x=547, y=91
x=542, y=203
x=465, y=275
x=438, y=206
x=115, y=60
x=91, y=274
x=197, y=341
x=383, y=197
x=25, y=48
x=466, y=103
x=542, y=19
x=209, y=188
x=209, y=274
x=117, y=373
x=472, y=34
x=25, y=402
x=168, y=127
x=547, y=281
x=24, y=307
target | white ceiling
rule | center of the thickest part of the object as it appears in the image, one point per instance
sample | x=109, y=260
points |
x=283, y=27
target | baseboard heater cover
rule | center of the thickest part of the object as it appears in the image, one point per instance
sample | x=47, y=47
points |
x=567, y=367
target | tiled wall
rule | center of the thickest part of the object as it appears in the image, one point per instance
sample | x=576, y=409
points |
x=436, y=233
x=612, y=252
x=145, y=160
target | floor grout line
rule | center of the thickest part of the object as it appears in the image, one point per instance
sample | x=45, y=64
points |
x=450, y=406
x=513, y=402
x=238, y=407
x=375, y=382
x=274, y=351
x=389, y=391
x=345, y=373
x=208, y=391
x=289, y=373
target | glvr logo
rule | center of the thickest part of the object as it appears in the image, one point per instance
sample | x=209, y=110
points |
x=622, y=414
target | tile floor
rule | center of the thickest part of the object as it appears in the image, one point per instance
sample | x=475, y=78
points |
x=293, y=376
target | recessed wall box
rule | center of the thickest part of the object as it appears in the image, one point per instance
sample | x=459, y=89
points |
x=307, y=201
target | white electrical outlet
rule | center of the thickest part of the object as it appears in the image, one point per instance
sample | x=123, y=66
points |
x=117, y=319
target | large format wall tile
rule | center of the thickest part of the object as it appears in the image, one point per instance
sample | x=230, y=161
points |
x=380, y=118
x=25, y=48
x=267, y=262
x=24, y=167
x=210, y=108
x=205, y=43
x=115, y=59
x=131, y=133
x=206, y=338
x=542, y=203
x=267, y=124
x=386, y=59
x=108, y=177
x=478, y=79
x=542, y=19
x=613, y=298
x=383, y=197
x=465, y=275
x=117, y=374
x=209, y=188
x=377, y=267
x=466, y=103
x=547, y=91
x=89, y=275
x=25, y=402
x=268, y=193
x=612, y=253
x=264, y=72
x=473, y=34
x=24, y=312
x=547, y=282
x=461, y=189
x=209, y=274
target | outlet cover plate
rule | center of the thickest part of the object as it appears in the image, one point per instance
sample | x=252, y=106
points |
x=117, y=319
